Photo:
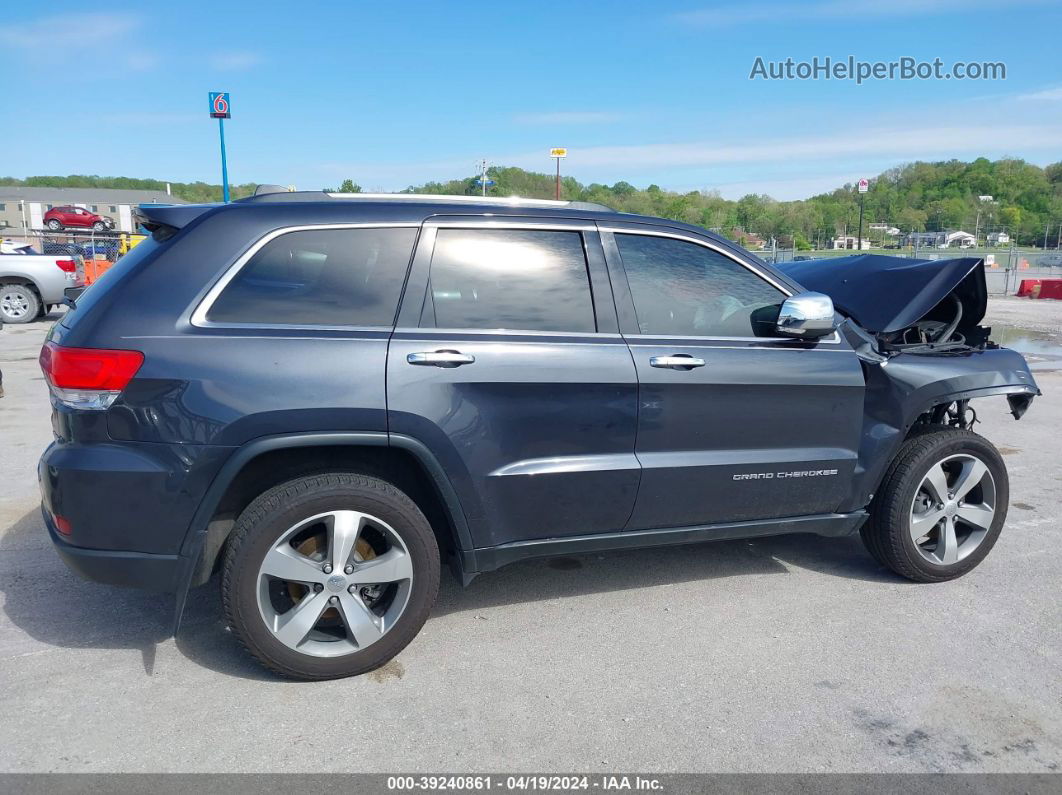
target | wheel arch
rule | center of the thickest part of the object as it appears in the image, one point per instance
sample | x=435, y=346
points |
x=249, y=469
x=1019, y=397
x=22, y=278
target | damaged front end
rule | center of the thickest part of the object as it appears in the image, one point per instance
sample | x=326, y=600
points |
x=915, y=325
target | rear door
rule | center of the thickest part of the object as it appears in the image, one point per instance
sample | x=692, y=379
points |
x=735, y=423
x=507, y=363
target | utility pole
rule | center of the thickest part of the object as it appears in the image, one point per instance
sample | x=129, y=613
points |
x=483, y=175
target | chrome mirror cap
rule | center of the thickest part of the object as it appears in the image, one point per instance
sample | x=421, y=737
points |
x=806, y=315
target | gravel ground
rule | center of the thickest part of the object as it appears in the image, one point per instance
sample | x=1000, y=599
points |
x=778, y=654
x=1044, y=315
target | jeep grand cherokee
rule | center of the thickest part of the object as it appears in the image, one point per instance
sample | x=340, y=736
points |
x=319, y=396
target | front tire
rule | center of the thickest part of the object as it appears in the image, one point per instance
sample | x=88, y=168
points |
x=99, y=226
x=329, y=575
x=941, y=506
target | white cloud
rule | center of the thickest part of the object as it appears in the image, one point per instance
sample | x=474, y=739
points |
x=751, y=12
x=66, y=39
x=903, y=142
x=560, y=118
x=69, y=30
x=235, y=61
x=1050, y=95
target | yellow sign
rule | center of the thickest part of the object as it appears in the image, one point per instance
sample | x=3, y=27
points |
x=558, y=152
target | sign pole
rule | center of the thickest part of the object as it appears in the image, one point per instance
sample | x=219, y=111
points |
x=859, y=243
x=864, y=186
x=224, y=163
x=221, y=109
x=557, y=153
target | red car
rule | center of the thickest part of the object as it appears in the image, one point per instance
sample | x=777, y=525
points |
x=69, y=217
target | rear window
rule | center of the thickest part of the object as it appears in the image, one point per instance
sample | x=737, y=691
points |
x=321, y=277
x=114, y=274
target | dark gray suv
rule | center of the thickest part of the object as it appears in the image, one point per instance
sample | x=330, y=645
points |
x=319, y=397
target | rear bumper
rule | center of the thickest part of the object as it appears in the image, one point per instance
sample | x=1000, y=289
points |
x=125, y=507
x=130, y=569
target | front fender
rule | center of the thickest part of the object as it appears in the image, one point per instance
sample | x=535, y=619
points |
x=923, y=382
x=907, y=385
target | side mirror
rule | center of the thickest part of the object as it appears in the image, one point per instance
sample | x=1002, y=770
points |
x=807, y=316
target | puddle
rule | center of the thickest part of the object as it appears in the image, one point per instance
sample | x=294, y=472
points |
x=1042, y=349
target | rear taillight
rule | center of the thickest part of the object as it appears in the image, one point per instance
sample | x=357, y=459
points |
x=67, y=265
x=88, y=378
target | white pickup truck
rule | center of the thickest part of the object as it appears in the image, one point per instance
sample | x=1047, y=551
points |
x=31, y=283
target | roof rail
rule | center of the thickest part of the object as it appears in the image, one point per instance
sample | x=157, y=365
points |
x=425, y=198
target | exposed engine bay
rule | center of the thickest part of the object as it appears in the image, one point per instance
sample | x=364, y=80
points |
x=923, y=307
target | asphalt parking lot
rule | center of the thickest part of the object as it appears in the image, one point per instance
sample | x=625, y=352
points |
x=778, y=654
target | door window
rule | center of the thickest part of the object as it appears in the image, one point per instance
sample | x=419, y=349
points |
x=321, y=277
x=681, y=289
x=527, y=280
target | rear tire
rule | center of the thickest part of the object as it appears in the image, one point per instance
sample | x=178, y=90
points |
x=55, y=225
x=287, y=558
x=941, y=506
x=19, y=303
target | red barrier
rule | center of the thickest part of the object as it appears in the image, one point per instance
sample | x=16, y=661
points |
x=94, y=268
x=1040, y=288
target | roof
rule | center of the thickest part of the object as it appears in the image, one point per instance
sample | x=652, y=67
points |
x=317, y=207
x=87, y=195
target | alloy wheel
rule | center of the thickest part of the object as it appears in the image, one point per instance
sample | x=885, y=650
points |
x=14, y=304
x=953, y=509
x=334, y=583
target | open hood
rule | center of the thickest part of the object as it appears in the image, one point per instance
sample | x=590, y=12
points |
x=885, y=294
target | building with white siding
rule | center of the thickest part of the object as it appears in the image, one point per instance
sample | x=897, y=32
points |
x=23, y=209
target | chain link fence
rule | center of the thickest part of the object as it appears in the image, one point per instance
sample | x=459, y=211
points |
x=98, y=249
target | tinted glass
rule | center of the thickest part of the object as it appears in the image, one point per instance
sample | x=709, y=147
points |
x=683, y=289
x=327, y=277
x=525, y=280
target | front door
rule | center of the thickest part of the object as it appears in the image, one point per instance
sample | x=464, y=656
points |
x=734, y=423
x=507, y=363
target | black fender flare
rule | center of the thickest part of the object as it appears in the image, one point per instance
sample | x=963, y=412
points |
x=195, y=537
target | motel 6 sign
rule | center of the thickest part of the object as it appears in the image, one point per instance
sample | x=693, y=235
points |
x=219, y=105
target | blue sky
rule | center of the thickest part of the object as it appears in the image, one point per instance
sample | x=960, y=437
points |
x=391, y=94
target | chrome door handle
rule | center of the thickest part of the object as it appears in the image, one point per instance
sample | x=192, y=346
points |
x=680, y=361
x=441, y=358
